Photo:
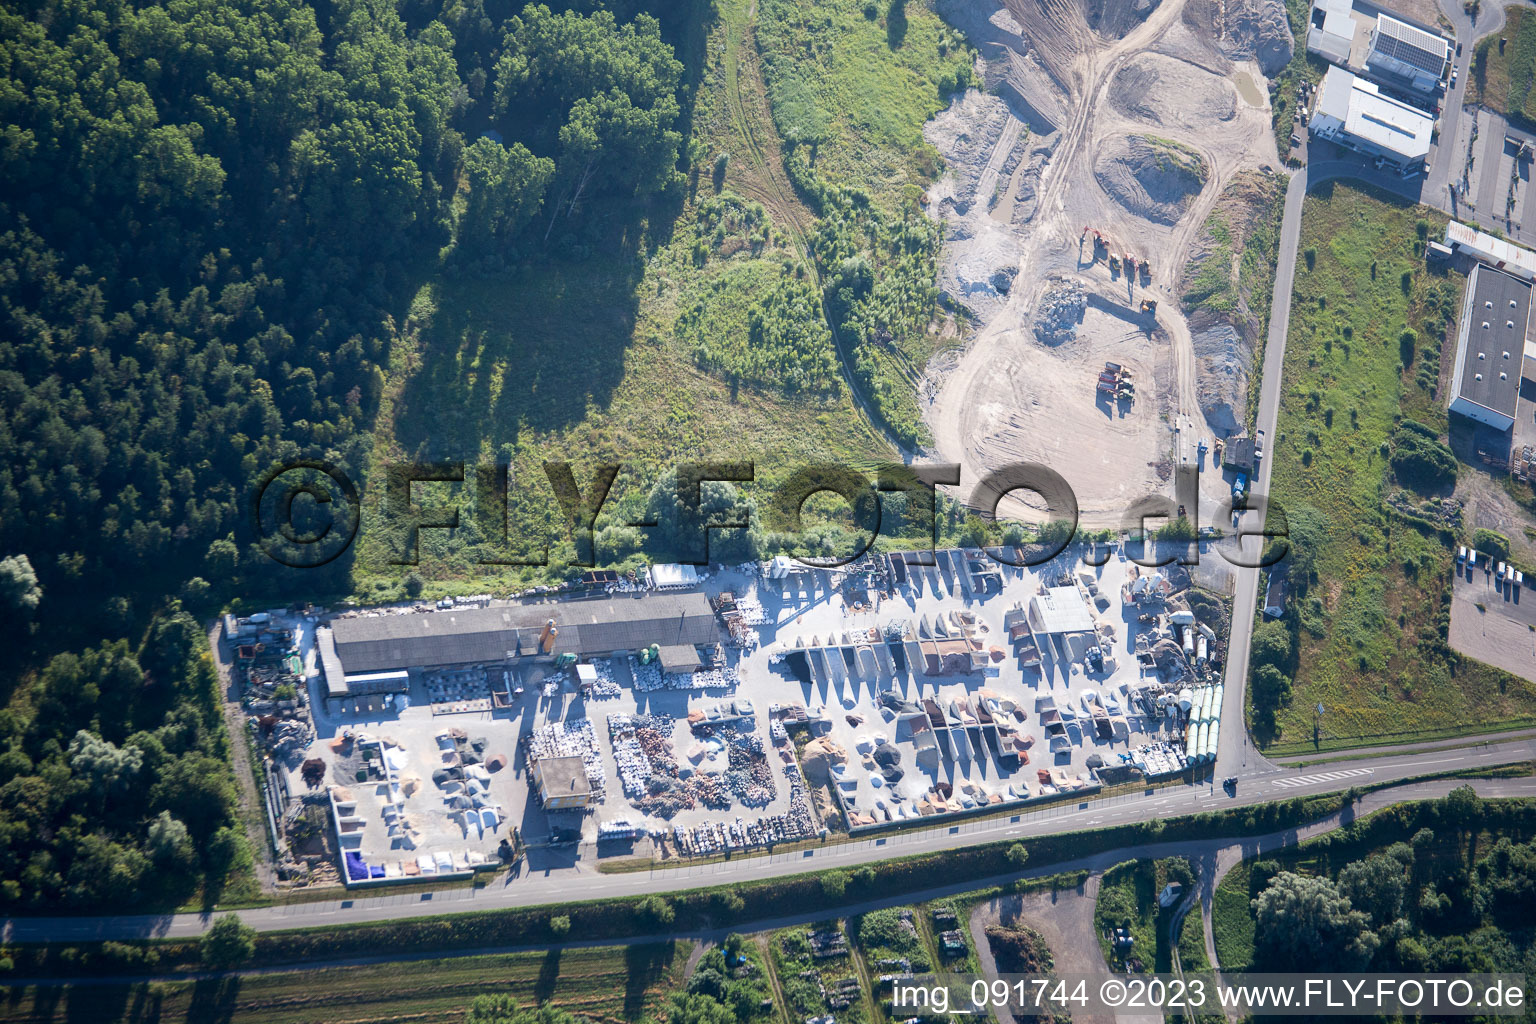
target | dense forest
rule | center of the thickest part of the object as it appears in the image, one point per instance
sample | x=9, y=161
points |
x=214, y=214
x=1438, y=886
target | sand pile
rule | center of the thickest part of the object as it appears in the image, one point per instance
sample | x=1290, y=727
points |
x=818, y=757
x=1114, y=18
x=1226, y=362
x=1224, y=327
x=1152, y=178
x=1172, y=93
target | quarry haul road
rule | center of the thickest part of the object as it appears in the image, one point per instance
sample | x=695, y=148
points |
x=540, y=887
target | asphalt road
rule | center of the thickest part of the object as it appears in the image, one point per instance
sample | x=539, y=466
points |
x=1206, y=854
x=1257, y=786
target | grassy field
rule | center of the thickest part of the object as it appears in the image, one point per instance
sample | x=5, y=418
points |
x=697, y=334
x=602, y=984
x=1370, y=629
x=855, y=80
x=1232, y=919
x=1502, y=76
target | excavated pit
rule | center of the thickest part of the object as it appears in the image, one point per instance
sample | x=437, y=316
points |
x=1172, y=93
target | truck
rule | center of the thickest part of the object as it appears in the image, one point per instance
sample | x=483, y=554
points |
x=1240, y=485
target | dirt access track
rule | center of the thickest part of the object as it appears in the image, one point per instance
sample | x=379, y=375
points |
x=1127, y=119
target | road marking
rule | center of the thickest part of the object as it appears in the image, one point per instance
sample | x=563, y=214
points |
x=1309, y=780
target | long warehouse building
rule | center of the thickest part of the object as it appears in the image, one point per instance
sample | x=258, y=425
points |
x=1490, y=347
x=374, y=654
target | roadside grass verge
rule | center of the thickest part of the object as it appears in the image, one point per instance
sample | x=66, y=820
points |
x=1232, y=925
x=1369, y=631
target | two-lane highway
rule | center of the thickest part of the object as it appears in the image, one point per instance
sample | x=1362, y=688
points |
x=1257, y=786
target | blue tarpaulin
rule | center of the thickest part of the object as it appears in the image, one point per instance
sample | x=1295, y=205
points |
x=356, y=867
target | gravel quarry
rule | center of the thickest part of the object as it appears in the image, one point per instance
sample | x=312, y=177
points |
x=1122, y=117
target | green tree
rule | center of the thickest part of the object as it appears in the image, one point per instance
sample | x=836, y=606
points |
x=1272, y=645
x=18, y=585
x=506, y=191
x=227, y=944
x=1303, y=922
x=834, y=884
x=656, y=911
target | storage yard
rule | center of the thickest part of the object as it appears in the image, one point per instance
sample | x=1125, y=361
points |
x=821, y=700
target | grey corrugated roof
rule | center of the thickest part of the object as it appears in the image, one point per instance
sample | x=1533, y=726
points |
x=463, y=636
x=1487, y=352
x=680, y=658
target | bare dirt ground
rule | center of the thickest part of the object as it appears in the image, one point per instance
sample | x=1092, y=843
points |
x=1064, y=919
x=1122, y=117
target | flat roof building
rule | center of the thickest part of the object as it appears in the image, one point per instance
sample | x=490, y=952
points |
x=1353, y=112
x=1490, y=347
x=367, y=645
x=1498, y=253
x=562, y=782
x=1060, y=610
x=1406, y=54
x=1331, y=33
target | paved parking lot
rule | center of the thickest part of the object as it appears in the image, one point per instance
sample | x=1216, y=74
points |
x=1494, y=623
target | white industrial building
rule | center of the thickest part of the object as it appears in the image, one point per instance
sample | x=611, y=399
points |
x=1406, y=54
x=1496, y=252
x=1331, y=34
x=1353, y=112
x=1490, y=347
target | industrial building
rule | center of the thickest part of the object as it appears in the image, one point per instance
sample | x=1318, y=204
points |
x=1331, y=34
x=1061, y=622
x=562, y=783
x=374, y=654
x=1353, y=112
x=1490, y=347
x=1494, y=251
x=1407, y=55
